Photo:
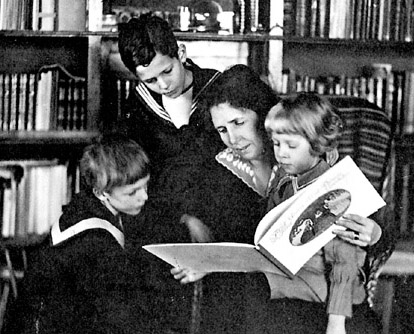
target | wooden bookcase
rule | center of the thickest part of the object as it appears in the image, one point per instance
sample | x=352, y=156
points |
x=28, y=52
x=94, y=55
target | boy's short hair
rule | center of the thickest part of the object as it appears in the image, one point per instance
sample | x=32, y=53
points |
x=140, y=39
x=309, y=115
x=113, y=161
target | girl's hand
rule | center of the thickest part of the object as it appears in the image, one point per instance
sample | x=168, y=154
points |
x=185, y=275
x=360, y=231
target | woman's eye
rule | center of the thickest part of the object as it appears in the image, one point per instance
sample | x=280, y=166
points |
x=239, y=122
x=222, y=130
x=168, y=71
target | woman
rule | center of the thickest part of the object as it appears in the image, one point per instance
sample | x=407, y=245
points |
x=238, y=103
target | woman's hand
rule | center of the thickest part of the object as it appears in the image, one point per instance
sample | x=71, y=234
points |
x=186, y=276
x=199, y=232
x=360, y=231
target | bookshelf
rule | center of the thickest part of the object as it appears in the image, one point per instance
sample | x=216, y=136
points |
x=70, y=109
x=304, y=50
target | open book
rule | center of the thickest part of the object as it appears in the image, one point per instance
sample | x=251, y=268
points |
x=288, y=235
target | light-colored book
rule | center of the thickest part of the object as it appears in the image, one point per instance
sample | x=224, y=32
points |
x=288, y=235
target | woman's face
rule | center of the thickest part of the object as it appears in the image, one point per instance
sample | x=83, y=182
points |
x=238, y=130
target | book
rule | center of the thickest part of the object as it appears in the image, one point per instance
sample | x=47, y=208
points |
x=408, y=103
x=289, y=17
x=301, y=19
x=288, y=235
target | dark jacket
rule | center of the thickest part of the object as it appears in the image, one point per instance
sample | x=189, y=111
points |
x=178, y=156
x=179, y=160
x=84, y=284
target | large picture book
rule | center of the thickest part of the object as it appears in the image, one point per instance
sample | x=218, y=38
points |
x=288, y=235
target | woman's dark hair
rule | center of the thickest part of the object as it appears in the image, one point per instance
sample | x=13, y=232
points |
x=140, y=39
x=242, y=88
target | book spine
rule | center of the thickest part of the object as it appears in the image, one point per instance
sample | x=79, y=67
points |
x=350, y=19
x=301, y=18
x=358, y=19
x=405, y=204
x=409, y=103
x=289, y=18
x=397, y=106
x=22, y=110
x=397, y=20
x=408, y=28
x=7, y=101
x=323, y=26
x=62, y=104
x=375, y=7
x=2, y=104
x=31, y=101
x=379, y=34
x=314, y=13
x=74, y=96
x=14, y=95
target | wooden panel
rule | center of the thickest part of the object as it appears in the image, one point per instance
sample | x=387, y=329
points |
x=29, y=53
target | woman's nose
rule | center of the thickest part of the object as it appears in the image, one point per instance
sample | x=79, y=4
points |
x=233, y=137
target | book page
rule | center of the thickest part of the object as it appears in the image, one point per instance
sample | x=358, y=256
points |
x=306, y=225
x=213, y=257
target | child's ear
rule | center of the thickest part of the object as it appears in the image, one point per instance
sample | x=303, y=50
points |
x=99, y=194
x=182, y=53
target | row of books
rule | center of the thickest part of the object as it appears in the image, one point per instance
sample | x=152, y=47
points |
x=389, y=20
x=123, y=88
x=391, y=90
x=51, y=99
x=32, y=194
x=16, y=15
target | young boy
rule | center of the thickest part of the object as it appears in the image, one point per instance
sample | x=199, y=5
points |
x=163, y=116
x=80, y=280
x=163, y=112
x=303, y=129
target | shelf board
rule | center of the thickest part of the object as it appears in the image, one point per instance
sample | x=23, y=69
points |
x=47, y=137
x=208, y=36
x=352, y=42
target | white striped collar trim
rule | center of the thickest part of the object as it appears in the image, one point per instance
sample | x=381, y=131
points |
x=145, y=94
x=149, y=100
x=59, y=236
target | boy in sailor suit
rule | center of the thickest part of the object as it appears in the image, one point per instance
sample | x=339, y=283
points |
x=80, y=279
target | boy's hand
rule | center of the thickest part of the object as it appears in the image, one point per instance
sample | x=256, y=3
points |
x=361, y=231
x=199, y=232
x=186, y=275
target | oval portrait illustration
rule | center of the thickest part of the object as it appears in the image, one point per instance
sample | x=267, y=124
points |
x=319, y=216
